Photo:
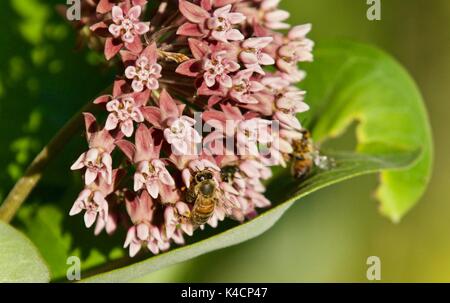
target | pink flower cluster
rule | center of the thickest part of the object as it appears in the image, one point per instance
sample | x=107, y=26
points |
x=220, y=58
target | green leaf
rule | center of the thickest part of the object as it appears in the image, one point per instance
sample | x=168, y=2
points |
x=19, y=259
x=58, y=237
x=349, y=83
x=284, y=191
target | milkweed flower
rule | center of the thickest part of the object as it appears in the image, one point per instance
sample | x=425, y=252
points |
x=97, y=160
x=202, y=86
x=145, y=71
x=218, y=25
x=253, y=56
x=127, y=25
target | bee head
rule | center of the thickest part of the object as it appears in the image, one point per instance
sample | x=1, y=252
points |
x=306, y=134
x=228, y=172
x=203, y=176
x=299, y=158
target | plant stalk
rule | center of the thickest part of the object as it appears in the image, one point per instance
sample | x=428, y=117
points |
x=35, y=170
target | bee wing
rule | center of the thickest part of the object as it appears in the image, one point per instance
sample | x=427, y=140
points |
x=229, y=203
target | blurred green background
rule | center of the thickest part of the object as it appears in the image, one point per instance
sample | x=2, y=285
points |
x=324, y=238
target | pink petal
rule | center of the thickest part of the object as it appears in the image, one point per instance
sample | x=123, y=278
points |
x=232, y=66
x=99, y=27
x=117, y=13
x=249, y=169
x=190, y=30
x=183, y=209
x=127, y=148
x=90, y=176
x=114, y=29
x=130, y=72
x=234, y=35
x=153, y=189
x=153, y=115
x=100, y=200
x=269, y=4
x=134, y=12
x=188, y=229
x=179, y=147
x=90, y=124
x=153, y=247
x=168, y=106
x=111, y=48
x=210, y=79
x=170, y=230
x=248, y=57
x=137, y=115
x=142, y=232
x=127, y=127
x=277, y=25
x=231, y=112
x=299, y=31
x=208, y=4
x=138, y=182
x=131, y=233
x=255, y=68
x=265, y=59
x=104, y=6
x=249, y=99
x=190, y=121
x=151, y=53
x=166, y=178
x=152, y=84
x=226, y=81
x=277, y=15
x=171, y=221
x=134, y=44
x=137, y=86
x=186, y=176
x=107, y=162
x=76, y=209
x=141, y=98
x=220, y=36
x=192, y=12
x=186, y=68
x=198, y=48
x=288, y=120
x=144, y=142
x=111, y=122
x=256, y=86
x=89, y=218
x=220, y=12
x=236, y=18
x=102, y=99
x=134, y=249
x=142, y=27
x=257, y=43
x=79, y=164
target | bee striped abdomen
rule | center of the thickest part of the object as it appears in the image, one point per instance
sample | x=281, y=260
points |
x=203, y=210
x=204, y=196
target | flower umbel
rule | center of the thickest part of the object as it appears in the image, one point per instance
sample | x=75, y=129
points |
x=222, y=59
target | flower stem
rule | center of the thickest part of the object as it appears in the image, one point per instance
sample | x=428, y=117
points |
x=35, y=170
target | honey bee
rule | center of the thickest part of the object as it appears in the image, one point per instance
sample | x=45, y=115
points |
x=228, y=173
x=303, y=155
x=204, y=194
